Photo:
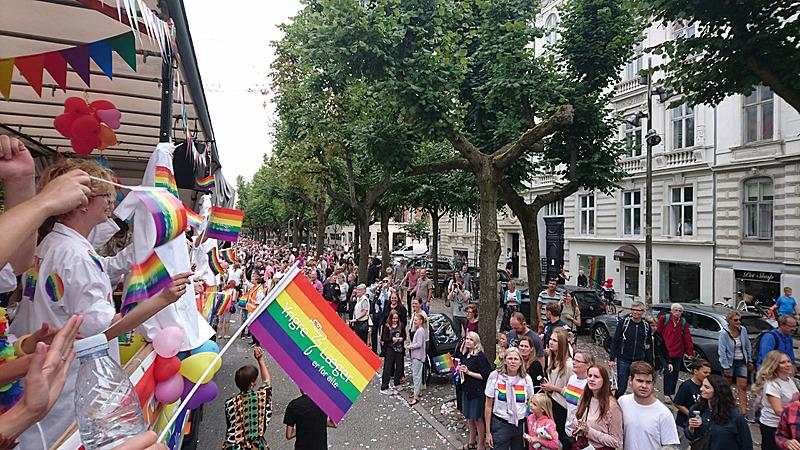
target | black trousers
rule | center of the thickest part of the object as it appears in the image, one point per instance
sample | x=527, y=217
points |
x=767, y=437
x=362, y=334
x=392, y=365
x=377, y=324
x=560, y=418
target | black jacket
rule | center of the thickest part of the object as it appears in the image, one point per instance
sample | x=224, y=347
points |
x=474, y=387
x=631, y=340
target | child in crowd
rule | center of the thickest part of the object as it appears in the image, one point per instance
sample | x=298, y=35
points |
x=541, y=427
x=502, y=345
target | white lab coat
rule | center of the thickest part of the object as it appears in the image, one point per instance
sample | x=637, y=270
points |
x=87, y=291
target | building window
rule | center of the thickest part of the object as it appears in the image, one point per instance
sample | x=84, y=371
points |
x=758, y=199
x=554, y=209
x=633, y=139
x=758, y=115
x=635, y=65
x=631, y=280
x=586, y=209
x=679, y=282
x=594, y=268
x=682, y=30
x=632, y=212
x=454, y=224
x=550, y=26
x=468, y=222
x=681, y=211
x=682, y=127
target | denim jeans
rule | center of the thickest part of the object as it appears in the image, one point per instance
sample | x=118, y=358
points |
x=671, y=378
x=623, y=373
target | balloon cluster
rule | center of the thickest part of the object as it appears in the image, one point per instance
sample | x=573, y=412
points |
x=88, y=126
x=175, y=376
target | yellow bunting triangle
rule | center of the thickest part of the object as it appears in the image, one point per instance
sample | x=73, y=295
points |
x=6, y=72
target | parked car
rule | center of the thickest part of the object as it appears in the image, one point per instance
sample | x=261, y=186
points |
x=704, y=322
x=475, y=279
x=445, y=269
x=589, y=302
x=412, y=251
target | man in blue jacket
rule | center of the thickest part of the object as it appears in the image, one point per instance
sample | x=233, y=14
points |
x=778, y=339
x=631, y=341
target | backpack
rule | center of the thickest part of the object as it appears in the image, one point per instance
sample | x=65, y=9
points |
x=757, y=344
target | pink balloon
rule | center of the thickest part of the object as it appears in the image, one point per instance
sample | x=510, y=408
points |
x=205, y=393
x=110, y=117
x=169, y=390
x=168, y=341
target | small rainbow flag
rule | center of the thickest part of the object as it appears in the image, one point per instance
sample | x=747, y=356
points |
x=206, y=184
x=148, y=278
x=519, y=392
x=228, y=255
x=165, y=179
x=168, y=213
x=224, y=300
x=573, y=394
x=195, y=220
x=54, y=287
x=29, y=283
x=443, y=363
x=96, y=260
x=225, y=224
x=315, y=347
x=215, y=262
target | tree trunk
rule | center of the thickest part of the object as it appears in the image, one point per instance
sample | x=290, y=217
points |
x=386, y=260
x=362, y=218
x=489, y=255
x=322, y=223
x=435, y=250
x=296, y=232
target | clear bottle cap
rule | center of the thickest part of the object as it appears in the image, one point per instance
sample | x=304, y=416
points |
x=91, y=344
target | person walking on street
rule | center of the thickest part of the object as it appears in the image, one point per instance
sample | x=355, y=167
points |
x=716, y=419
x=307, y=424
x=417, y=347
x=598, y=418
x=508, y=391
x=474, y=369
x=248, y=412
x=678, y=339
x=629, y=345
x=647, y=423
x=393, y=337
x=780, y=339
x=775, y=388
x=736, y=355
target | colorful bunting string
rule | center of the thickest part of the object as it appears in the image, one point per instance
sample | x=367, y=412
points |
x=148, y=278
x=225, y=224
x=206, y=184
x=31, y=67
x=168, y=213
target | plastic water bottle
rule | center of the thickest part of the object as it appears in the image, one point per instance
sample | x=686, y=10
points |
x=106, y=404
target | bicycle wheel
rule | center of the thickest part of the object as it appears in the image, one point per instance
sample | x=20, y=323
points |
x=611, y=308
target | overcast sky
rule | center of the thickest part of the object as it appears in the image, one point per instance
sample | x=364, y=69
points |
x=232, y=43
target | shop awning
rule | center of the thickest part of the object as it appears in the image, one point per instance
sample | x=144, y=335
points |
x=627, y=253
x=37, y=26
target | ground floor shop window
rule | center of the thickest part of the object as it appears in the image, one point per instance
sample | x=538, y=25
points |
x=632, y=280
x=680, y=282
x=752, y=286
x=398, y=240
x=594, y=267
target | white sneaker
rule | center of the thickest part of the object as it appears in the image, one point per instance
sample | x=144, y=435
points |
x=387, y=392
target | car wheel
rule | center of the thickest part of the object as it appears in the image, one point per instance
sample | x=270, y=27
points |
x=688, y=360
x=602, y=337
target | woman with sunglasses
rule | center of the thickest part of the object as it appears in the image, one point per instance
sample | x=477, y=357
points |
x=735, y=355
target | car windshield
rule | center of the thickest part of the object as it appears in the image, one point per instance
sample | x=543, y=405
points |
x=586, y=297
x=755, y=325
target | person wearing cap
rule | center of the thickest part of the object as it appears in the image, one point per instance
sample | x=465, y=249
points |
x=678, y=339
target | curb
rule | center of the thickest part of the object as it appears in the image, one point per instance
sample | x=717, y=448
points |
x=451, y=438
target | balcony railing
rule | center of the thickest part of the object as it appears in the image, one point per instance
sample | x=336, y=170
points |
x=632, y=165
x=544, y=180
x=677, y=158
x=627, y=86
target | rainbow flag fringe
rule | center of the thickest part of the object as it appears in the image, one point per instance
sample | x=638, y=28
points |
x=148, y=278
x=225, y=224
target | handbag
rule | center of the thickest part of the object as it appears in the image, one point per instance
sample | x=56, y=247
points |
x=582, y=443
x=702, y=442
x=361, y=326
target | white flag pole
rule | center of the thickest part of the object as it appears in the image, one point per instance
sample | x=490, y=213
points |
x=273, y=294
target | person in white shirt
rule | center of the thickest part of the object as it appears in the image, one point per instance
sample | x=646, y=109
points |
x=647, y=423
x=507, y=393
x=576, y=384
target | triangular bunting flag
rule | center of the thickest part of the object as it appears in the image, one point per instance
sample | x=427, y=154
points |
x=125, y=46
x=56, y=66
x=101, y=54
x=78, y=58
x=6, y=72
x=31, y=68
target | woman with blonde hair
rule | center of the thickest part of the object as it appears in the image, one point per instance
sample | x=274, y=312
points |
x=474, y=370
x=559, y=370
x=508, y=391
x=774, y=387
x=417, y=349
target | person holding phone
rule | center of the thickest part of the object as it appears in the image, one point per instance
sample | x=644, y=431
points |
x=717, y=419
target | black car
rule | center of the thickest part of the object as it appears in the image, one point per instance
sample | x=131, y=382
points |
x=589, y=302
x=475, y=280
x=445, y=269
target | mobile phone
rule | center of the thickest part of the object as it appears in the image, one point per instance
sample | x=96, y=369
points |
x=697, y=414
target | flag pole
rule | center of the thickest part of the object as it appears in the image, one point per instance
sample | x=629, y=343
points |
x=273, y=294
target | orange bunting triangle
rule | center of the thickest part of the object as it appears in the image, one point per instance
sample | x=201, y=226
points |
x=6, y=72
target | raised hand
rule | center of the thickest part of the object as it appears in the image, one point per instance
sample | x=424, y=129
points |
x=15, y=159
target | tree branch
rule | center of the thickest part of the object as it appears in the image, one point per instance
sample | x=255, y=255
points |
x=378, y=190
x=509, y=155
x=442, y=166
x=462, y=145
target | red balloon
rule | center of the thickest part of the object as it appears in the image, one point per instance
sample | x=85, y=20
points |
x=165, y=368
x=85, y=127
x=102, y=104
x=82, y=146
x=76, y=105
x=63, y=124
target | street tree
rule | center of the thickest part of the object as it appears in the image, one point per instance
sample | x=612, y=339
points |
x=586, y=153
x=735, y=45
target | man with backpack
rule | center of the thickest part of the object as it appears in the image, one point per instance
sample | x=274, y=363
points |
x=630, y=344
x=777, y=339
x=672, y=327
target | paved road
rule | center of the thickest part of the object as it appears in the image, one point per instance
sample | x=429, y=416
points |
x=376, y=421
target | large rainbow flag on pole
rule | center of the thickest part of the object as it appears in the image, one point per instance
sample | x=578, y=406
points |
x=313, y=345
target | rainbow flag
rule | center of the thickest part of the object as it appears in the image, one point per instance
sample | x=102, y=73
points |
x=224, y=224
x=165, y=179
x=148, y=278
x=315, y=347
x=206, y=184
x=224, y=300
x=209, y=303
x=168, y=213
x=596, y=274
x=29, y=283
x=54, y=287
x=228, y=255
x=443, y=363
x=195, y=220
x=573, y=394
x=215, y=262
x=519, y=392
